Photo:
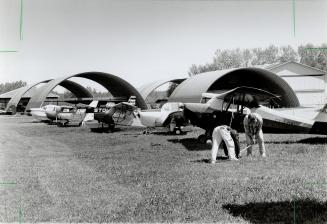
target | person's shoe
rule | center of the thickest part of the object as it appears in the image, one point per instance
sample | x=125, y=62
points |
x=213, y=161
x=264, y=155
x=233, y=159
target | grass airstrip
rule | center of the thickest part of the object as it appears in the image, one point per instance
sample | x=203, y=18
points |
x=52, y=174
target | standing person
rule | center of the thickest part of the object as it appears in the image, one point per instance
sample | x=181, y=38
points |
x=253, y=131
x=222, y=133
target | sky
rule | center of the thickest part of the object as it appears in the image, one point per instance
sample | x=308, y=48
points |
x=144, y=40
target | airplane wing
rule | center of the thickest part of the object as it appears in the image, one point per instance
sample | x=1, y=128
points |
x=123, y=113
x=82, y=106
x=246, y=95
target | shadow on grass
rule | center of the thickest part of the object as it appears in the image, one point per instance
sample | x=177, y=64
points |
x=298, y=211
x=315, y=140
x=69, y=126
x=167, y=133
x=312, y=140
x=104, y=130
x=191, y=144
x=223, y=158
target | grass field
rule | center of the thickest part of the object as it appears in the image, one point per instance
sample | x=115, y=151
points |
x=74, y=175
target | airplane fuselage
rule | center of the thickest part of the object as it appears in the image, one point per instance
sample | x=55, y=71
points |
x=273, y=121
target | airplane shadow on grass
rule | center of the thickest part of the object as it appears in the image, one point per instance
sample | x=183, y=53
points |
x=166, y=133
x=312, y=140
x=298, y=211
x=191, y=144
x=104, y=130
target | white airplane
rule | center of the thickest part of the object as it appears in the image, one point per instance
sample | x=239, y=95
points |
x=73, y=115
x=169, y=116
x=40, y=113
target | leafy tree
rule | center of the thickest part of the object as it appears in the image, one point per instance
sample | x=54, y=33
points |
x=287, y=53
x=314, y=56
x=96, y=93
x=265, y=56
x=226, y=59
x=67, y=94
x=8, y=86
x=247, y=56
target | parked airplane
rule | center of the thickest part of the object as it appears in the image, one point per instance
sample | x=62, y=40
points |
x=170, y=116
x=40, y=113
x=111, y=114
x=74, y=115
x=229, y=108
x=52, y=113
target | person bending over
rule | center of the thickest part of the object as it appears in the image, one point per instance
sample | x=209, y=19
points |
x=253, y=131
x=219, y=134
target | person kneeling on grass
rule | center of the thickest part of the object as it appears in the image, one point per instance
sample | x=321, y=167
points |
x=224, y=133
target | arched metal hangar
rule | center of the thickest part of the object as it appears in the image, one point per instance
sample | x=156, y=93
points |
x=146, y=89
x=74, y=87
x=118, y=87
x=218, y=81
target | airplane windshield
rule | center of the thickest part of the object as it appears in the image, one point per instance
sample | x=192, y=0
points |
x=230, y=105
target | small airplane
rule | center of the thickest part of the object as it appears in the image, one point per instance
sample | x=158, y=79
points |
x=72, y=115
x=52, y=113
x=230, y=108
x=40, y=113
x=170, y=116
x=127, y=114
x=109, y=115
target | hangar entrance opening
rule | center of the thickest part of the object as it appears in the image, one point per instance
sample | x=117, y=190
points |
x=160, y=95
x=67, y=97
x=261, y=79
x=190, y=91
x=158, y=92
x=22, y=103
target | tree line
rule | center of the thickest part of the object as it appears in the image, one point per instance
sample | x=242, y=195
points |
x=95, y=93
x=314, y=56
x=8, y=86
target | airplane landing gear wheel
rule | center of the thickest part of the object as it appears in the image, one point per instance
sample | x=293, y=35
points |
x=111, y=128
x=202, y=139
x=177, y=131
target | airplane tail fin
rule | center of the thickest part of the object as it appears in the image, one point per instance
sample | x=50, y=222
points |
x=89, y=114
x=94, y=103
x=320, y=124
x=132, y=100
